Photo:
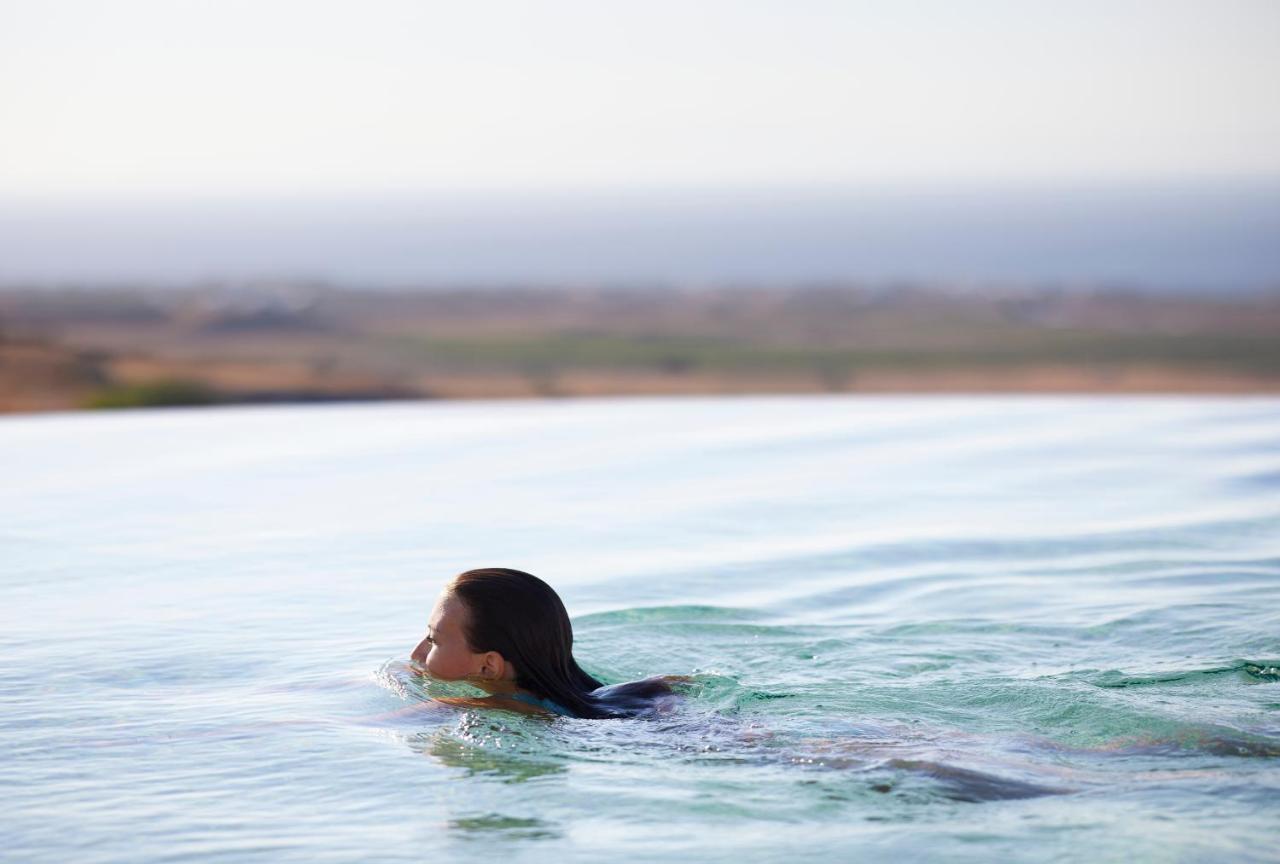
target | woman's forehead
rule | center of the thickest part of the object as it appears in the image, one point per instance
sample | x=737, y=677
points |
x=447, y=614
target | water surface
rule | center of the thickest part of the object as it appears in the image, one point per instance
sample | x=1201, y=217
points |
x=972, y=628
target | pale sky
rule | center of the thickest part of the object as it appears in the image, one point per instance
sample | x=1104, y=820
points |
x=244, y=97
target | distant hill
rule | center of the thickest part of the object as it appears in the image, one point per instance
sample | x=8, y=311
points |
x=1197, y=238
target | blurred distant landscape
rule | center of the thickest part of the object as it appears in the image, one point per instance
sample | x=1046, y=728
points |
x=71, y=348
x=209, y=203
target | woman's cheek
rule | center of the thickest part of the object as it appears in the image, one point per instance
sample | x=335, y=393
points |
x=434, y=664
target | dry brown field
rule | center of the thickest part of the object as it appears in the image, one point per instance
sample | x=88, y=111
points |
x=116, y=347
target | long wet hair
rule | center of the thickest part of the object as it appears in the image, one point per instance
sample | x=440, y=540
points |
x=521, y=617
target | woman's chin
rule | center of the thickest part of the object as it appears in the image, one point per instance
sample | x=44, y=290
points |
x=418, y=669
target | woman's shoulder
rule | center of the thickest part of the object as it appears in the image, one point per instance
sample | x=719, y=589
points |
x=675, y=679
x=645, y=696
x=655, y=683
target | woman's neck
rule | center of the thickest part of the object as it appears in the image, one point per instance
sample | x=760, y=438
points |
x=498, y=686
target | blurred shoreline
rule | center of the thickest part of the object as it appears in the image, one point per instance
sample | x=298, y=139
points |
x=72, y=348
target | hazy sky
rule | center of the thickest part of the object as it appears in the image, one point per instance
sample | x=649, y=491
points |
x=173, y=97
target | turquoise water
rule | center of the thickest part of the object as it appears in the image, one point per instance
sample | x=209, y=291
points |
x=1039, y=629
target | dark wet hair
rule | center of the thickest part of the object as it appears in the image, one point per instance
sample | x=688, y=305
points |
x=521, y=617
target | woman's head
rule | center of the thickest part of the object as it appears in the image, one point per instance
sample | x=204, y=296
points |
x=500, y=624
x=446, y=650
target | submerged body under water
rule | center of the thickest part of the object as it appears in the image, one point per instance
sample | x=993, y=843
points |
x=964, y=766
x=1022, y=628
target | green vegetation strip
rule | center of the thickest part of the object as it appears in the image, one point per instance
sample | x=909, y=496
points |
x=154, y=394
x=676, y=354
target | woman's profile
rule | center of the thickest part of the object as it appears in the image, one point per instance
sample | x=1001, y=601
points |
x=507, y=632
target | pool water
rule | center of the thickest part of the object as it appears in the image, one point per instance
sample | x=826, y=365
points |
x=945, y=627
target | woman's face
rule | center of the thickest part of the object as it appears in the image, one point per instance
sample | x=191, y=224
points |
x=444, y=652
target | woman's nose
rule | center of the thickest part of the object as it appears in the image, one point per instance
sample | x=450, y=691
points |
x=419, y=654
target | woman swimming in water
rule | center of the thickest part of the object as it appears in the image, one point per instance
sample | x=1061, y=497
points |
x=507, y=632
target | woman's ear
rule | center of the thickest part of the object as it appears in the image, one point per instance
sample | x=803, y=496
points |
x=493, y=667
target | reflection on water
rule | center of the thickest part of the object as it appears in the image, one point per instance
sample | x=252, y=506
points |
x=978, y=628
x=481, y=746
x=507, y=826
